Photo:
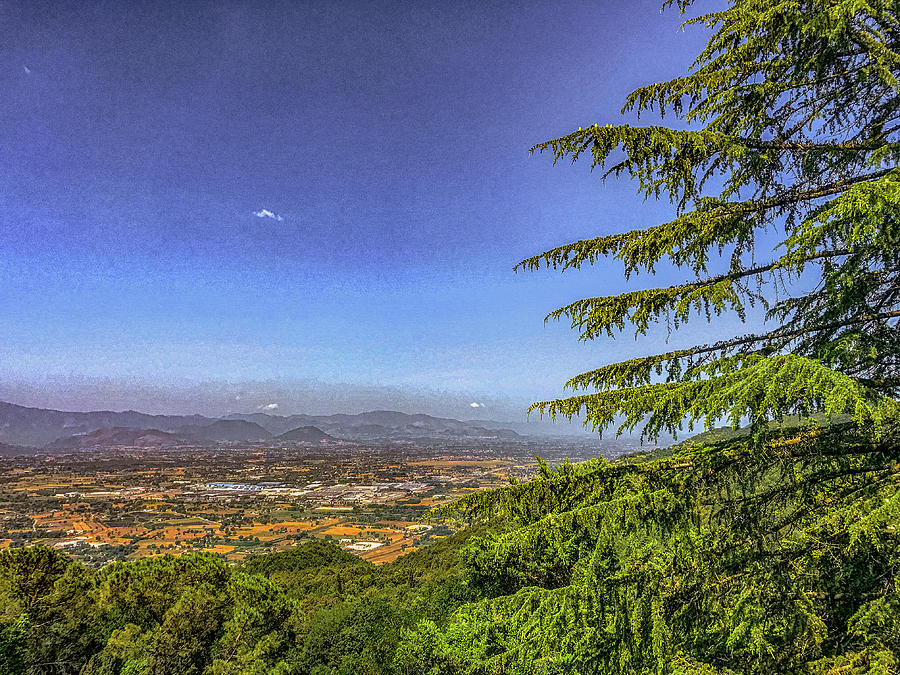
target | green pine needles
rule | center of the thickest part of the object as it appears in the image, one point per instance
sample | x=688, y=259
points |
x=798, y=103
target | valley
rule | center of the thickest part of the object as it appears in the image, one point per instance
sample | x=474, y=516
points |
x=237, y=500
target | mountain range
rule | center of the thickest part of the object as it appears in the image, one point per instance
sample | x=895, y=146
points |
x=383, y=424
x=60, y=430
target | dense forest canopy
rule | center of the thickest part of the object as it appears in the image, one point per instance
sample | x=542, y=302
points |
x=770, y=551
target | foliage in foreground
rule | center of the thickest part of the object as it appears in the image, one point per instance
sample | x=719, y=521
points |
x=314, y=609
x=743, y=557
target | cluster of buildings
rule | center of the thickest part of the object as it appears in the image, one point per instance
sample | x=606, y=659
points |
x=317, y=492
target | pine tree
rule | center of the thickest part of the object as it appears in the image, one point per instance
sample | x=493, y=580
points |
x=799, y=129
x=775, y=551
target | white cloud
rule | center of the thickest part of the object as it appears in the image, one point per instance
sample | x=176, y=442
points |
x=27, y=70
x=266, y=213
x=476, y=405
x=268, y=406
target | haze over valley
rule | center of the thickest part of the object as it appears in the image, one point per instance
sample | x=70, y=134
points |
x=56, y=429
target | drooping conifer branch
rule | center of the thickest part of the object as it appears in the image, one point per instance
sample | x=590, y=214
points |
x=688, y=240
x=595, y=316
x=640, y=371
x=752, y=386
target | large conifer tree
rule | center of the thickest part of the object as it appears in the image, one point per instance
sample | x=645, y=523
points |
x=776, y=551
x=797, y=124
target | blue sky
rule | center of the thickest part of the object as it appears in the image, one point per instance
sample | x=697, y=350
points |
x=231, y=204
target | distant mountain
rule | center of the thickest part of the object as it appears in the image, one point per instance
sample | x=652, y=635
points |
x=37, y=427
x=274, y=424
x=226, y=430
x=118, y=436
x=304, y=435
x=384, y=425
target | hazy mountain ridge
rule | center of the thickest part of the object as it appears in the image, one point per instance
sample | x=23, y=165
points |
x=382, y=424
x=227, y=430
x=110, y=436
x=39, y=427
x=20, y=425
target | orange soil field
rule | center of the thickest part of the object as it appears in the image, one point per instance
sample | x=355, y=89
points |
x=258, y=528
x=385, y=554
x=343, y=531
x=221, y=549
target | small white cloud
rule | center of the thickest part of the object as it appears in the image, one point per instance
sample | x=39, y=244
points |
x=476, y=405
x=268, y=406
x=27, y=70
x=266, y=213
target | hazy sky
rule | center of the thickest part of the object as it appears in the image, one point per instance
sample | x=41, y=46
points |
x=212, y=198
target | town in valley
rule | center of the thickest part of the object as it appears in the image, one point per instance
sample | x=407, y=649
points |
x=101, y=500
